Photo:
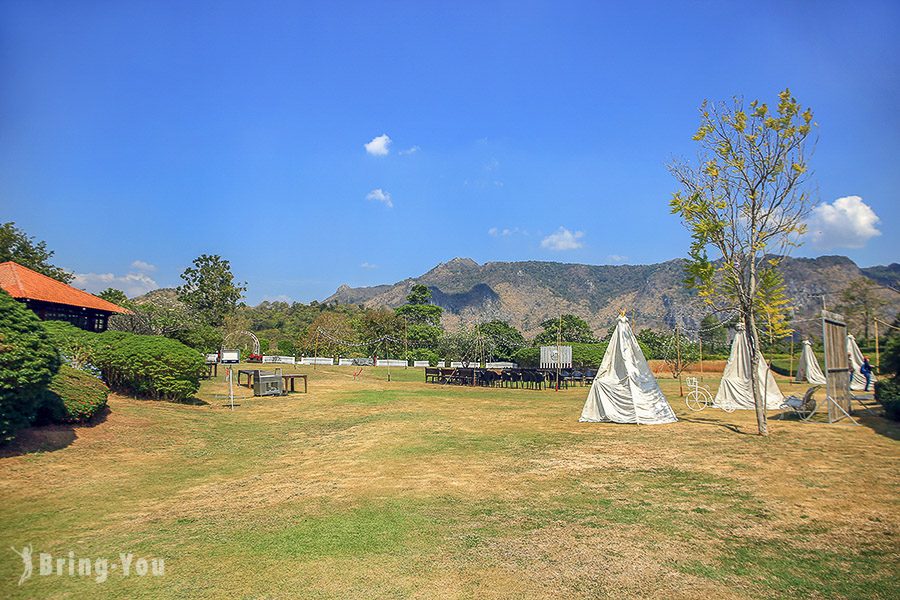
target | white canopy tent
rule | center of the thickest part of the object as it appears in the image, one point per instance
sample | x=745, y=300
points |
x=624, y=390
x=735, y=390
x=856, y=358
x=808, y=369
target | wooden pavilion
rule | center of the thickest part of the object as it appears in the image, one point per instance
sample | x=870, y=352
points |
x=53, y=300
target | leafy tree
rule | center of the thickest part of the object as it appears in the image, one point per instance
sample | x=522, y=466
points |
x=422, y=318
x=115, y=296
x=17, y=246
x=714, y=335
x=574, y=329
x=330, y=334
x=505, y=338
x=746, y=201
x=860, y=302
x=28, y=362
x=654, y=342
x=377, y=323
x=209, y=289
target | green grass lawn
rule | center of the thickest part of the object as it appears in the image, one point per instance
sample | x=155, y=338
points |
x=369, y=488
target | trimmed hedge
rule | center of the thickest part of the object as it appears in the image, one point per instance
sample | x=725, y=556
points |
x=146, y=366
x=73, y=396
x=27, y=363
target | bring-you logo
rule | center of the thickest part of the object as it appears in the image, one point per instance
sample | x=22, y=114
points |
x=97, y=568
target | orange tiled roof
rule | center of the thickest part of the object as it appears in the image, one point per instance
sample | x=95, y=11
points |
x=22, y=282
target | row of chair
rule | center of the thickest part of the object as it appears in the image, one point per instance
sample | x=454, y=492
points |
x=524, y=378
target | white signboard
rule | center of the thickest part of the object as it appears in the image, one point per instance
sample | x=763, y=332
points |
x=553, y=356
x=212, y=357
x=230, y=356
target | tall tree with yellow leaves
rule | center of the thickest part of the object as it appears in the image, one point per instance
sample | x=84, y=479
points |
x=745, y=201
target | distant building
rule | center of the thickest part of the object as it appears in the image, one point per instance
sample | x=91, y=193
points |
x=52, y=300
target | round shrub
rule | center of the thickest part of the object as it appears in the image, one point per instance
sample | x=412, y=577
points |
x=28, y=360
x=73, y=396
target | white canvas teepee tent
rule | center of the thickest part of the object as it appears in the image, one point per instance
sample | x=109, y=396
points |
x=625, y=390
x=809, y=370
x=735, y=390
x=856, y=358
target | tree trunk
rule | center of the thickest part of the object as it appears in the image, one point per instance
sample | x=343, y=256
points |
x=752, y=345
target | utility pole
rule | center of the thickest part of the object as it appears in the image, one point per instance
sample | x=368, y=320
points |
x=558, y=350
x=791, y=368
x=877, y=353
x=701, y=358
x=316, y=350
x=678, y=360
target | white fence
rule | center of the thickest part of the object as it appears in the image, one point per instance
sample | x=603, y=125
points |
x=391, y=362
x=500, y=365
x=421, y=363
x=316, y=360
x=284, y=360
x=345, y=362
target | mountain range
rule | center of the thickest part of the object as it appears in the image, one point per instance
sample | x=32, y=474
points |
x=529, y=292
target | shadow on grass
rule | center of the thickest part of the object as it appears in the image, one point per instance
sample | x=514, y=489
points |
x=728, y=426
x=880, y=425
x=48, y=438
x=193, y=402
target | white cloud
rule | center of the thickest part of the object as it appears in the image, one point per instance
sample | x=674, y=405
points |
x=506, y=231
x=412, y=150
x=278, y=298
x=367, y=265
x=379, y=195
x=563, y=239
x=133, y=284
x=141, y=265
x=379, y=146
x=847, y=222
x=616, y=258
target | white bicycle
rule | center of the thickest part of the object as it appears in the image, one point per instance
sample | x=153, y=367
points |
x=698, y=397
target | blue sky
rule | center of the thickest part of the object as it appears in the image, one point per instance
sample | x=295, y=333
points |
x=135, y=136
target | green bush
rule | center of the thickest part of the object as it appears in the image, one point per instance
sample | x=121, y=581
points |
x=888, y=393
x=27, y=363
x=147, y=366
x=73, y=396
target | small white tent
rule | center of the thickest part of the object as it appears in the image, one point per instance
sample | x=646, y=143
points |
x=734, y=390
x=624, y=390
x=856, y=358
x=809, y=370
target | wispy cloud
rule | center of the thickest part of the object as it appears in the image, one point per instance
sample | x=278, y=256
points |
x=616, y=258
x=278, y=298
x=847, y=222
x=379, y=195
x=367, y=265
x=408, y=151
x=141, y=265
x=133, y=284
x=563, y=239
x=506, y=231
x=379, y=146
